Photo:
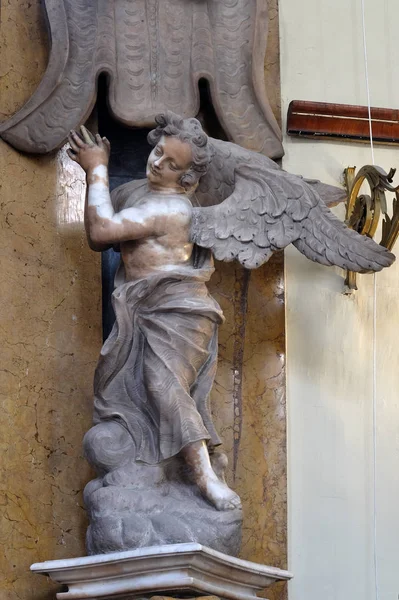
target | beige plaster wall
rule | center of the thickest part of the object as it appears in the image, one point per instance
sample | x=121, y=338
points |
x=329, y=335
x=50, y=334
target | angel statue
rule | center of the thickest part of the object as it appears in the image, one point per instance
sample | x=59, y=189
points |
x=157, y=367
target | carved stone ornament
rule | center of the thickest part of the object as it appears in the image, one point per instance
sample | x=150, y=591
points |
x=154, y=52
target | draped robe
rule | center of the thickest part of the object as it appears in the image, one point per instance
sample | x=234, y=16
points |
x=157, y=367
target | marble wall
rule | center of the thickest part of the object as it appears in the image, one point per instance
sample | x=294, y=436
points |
x=249, y=395
x=50, y=326
x=50, y=334
x=249, y=404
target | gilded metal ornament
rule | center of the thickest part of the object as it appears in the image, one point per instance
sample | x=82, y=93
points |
x=364, y=211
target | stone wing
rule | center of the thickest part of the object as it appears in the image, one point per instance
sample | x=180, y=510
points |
x=219, y=181
x=270, y=209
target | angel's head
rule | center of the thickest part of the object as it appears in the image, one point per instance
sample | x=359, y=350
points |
x=181, y=153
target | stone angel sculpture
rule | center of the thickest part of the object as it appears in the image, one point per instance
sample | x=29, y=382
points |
x=157, y=367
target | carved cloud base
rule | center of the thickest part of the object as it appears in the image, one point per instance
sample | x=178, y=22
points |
x=134, y=505
x=180, y=569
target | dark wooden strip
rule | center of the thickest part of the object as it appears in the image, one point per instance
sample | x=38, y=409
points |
x=323, y=120
x=342, y=110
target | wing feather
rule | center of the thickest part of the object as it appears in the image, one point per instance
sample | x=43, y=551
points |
x=250, y=224
x=325, y=239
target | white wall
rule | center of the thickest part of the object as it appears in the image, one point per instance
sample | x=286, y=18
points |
x=329, y=335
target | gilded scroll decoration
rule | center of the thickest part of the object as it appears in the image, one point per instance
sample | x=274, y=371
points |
x=364, y=211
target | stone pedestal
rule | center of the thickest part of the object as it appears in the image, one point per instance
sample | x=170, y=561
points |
x=177, y=569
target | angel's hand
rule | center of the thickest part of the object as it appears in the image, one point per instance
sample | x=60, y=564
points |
x=88, y=151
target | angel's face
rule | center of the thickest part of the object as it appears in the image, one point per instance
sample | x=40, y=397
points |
x=170, y=159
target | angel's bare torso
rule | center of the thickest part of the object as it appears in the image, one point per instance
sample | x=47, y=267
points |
x=166, y=244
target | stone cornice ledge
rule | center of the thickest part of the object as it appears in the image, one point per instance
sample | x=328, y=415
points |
x=178, y=568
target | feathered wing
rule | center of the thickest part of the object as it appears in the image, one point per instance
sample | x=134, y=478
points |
x=270, y=209
x=330, y=194
x=218, y=182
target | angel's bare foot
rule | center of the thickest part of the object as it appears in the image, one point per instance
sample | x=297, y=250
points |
x=219, y=464
x=218, y=493
x=214, y=490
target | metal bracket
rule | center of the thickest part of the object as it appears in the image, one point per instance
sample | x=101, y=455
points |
x=363, y=211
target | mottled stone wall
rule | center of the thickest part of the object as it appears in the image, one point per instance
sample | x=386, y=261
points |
x=50, y=334
x=249, y=395
x=50, y=327
x=248, y=403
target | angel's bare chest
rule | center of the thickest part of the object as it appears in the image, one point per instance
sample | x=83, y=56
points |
x=170, y=242
x=143, y=257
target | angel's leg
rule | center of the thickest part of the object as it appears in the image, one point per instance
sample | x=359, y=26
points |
x=217, y=492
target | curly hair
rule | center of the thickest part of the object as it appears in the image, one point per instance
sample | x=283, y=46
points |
x=189, y=131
